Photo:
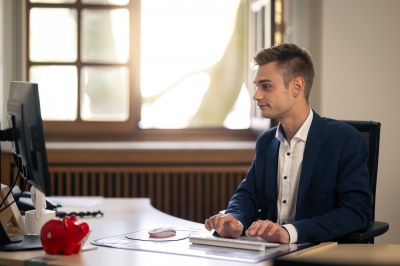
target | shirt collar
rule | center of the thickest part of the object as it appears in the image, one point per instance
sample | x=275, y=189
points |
x=301, y=133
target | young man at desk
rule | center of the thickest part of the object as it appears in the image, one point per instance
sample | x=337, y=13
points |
x=309, y=176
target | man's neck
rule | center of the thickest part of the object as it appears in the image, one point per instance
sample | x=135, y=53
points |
x=292, y=124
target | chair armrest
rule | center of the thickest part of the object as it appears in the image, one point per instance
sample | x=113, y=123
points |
x=375, y=229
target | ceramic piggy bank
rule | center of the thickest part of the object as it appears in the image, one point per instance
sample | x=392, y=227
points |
x=63, y=236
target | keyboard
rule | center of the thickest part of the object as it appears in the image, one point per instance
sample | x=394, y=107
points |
x=242, y=242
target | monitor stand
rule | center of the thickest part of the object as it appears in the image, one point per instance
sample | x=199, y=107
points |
x=33, y=223
x=18, y=242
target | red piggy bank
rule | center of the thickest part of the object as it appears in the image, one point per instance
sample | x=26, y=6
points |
x=63, y=236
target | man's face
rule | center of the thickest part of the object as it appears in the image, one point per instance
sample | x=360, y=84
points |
x=274, y=100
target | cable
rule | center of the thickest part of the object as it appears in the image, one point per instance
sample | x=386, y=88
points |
x=79, y=214
x=8, y=193
x=58, y=214
x=8, y=205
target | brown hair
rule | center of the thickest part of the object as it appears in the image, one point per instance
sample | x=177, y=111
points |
x=292, y=61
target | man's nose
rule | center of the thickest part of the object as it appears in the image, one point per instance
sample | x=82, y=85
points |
x=257, y=95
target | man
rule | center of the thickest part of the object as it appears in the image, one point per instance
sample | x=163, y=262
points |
x=309, y=177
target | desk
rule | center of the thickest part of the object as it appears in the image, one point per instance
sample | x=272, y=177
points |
x=122, y=216
x=346, y=255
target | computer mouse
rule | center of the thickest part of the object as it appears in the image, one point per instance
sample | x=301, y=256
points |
x=161, y=232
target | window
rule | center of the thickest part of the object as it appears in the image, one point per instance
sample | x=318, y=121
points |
x=79, y=54
x=130, y=69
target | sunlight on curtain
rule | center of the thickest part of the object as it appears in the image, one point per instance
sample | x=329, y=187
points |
x=181, y=38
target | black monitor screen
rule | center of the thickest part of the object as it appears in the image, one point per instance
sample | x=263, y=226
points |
x=28, y=146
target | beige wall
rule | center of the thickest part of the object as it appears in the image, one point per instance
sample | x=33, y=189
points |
x=355, y=46
x=360, y=71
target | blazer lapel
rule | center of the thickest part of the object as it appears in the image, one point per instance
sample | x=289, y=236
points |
x=271, y=179
x=310, y=156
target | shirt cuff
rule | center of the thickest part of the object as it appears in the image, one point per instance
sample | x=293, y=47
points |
x=293, y=235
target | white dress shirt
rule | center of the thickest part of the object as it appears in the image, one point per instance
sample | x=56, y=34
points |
x=289, y=169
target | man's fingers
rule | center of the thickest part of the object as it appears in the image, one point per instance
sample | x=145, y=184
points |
x=271, y=229
x=207, y=224
x=250, y=230
x=236, y=226
x=263, y=226
x=260, y=227
x=253, y=229
x=214, y=222
x=211, y=222
x=225, y=225
x=218, y=222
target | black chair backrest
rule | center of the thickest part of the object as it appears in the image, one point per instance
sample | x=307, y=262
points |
x=370, y=130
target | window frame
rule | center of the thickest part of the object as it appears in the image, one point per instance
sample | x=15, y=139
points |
x=78, y=128
x=129, y=130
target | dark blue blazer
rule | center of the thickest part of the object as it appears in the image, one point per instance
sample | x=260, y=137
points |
x=334, y=195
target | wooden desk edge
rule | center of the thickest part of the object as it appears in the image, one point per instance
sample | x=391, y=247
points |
x=310, y=250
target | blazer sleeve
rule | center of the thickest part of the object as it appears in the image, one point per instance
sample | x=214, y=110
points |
x=244, y=204
x=250, y=196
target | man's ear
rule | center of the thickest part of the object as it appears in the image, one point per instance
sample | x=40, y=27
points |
x=298, y=86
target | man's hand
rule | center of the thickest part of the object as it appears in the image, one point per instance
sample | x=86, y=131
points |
x=269, y=231
x=225, y=225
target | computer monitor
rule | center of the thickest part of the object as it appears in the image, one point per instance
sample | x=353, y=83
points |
x=25, y=132
x=28, y=146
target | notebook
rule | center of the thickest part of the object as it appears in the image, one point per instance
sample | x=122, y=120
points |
x=242, y=242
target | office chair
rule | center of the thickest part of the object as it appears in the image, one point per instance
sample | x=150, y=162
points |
x=370, y=130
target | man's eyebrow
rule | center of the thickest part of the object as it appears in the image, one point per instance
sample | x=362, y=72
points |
x=262, y=81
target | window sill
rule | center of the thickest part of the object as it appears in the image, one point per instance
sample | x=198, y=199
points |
x=153, y=145
x=149, y=135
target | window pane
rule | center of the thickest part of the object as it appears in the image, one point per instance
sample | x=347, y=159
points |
x=105, y=93
x=106, y=2
x=192, y=64
x=239, y=117
x=58, y=91
x=105, y=35
x=53, y=35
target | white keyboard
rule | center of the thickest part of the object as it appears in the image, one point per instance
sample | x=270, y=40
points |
x=242, y=242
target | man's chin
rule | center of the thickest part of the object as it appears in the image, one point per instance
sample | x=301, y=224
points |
x=269, y=116
x=275, y=115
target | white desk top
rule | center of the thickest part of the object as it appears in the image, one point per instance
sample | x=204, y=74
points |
x=128, y=215
x=121, y=216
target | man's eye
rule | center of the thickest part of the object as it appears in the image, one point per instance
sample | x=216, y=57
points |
x=265, y=86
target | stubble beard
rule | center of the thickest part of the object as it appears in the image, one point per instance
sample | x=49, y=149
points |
x=278, y=115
